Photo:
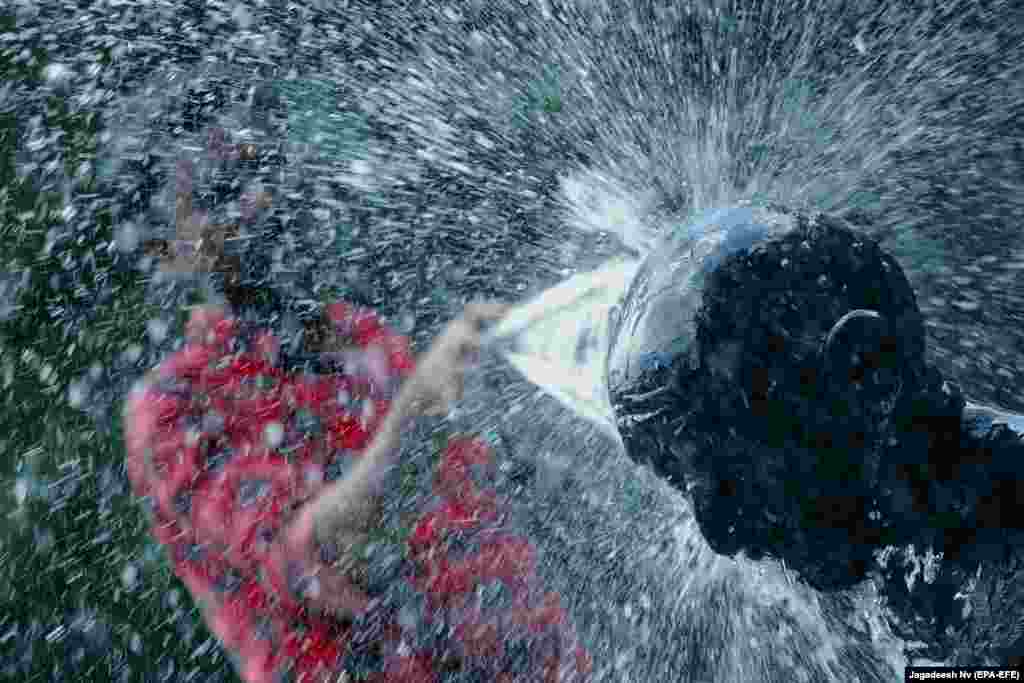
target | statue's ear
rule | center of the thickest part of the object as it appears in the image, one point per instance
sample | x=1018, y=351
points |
x=862, y=353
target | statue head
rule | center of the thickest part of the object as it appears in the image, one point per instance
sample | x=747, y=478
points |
x=760, y=362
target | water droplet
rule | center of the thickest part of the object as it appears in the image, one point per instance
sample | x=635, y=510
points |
x=212, y=423
x=242, y=16
x=252, y=490
x=77, y=394
x=57, y=74
x=338, y=466
x=192, y=435
x=859, y=45
x=966, y=305
x=273, y=434
x=127, y=238
x=307, y=423
x=132, y=354
x=157, y=329
x=130, y=577
x=21, y=488
x=183, y=502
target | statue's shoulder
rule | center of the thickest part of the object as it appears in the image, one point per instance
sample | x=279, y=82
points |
x=953, y=581
x=988, y=424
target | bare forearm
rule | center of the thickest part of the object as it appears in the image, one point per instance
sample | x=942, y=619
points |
x=350, y=504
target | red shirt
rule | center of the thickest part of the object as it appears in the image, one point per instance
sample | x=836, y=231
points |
x=227, y=448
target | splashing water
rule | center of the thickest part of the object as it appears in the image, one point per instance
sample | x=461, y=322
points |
x=561, y=340
x=647, y=595
x=684, y=256
x=434, y=153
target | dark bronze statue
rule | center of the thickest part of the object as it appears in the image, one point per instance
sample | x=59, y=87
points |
x=772, y=366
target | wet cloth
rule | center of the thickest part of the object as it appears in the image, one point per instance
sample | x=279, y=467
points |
x=227, y=448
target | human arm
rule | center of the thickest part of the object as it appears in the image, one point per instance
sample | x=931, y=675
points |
x=347, y=508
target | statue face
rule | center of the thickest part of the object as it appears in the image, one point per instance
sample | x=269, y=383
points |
x=657, y=320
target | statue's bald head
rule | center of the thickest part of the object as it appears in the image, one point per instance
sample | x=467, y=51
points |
x=761, y=359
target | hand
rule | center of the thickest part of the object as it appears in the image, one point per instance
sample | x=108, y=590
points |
x=199, y=244
x=439, y=378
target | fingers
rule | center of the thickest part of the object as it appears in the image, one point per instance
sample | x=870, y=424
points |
x=467, y=347
x=216, y=144
x=253, y=202
x=465, y=333
x=480, y=312
x=460, y=345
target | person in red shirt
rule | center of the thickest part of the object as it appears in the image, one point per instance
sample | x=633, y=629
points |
x=265, y=487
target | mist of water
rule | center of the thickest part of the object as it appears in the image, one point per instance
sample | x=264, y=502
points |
x=440, y=152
